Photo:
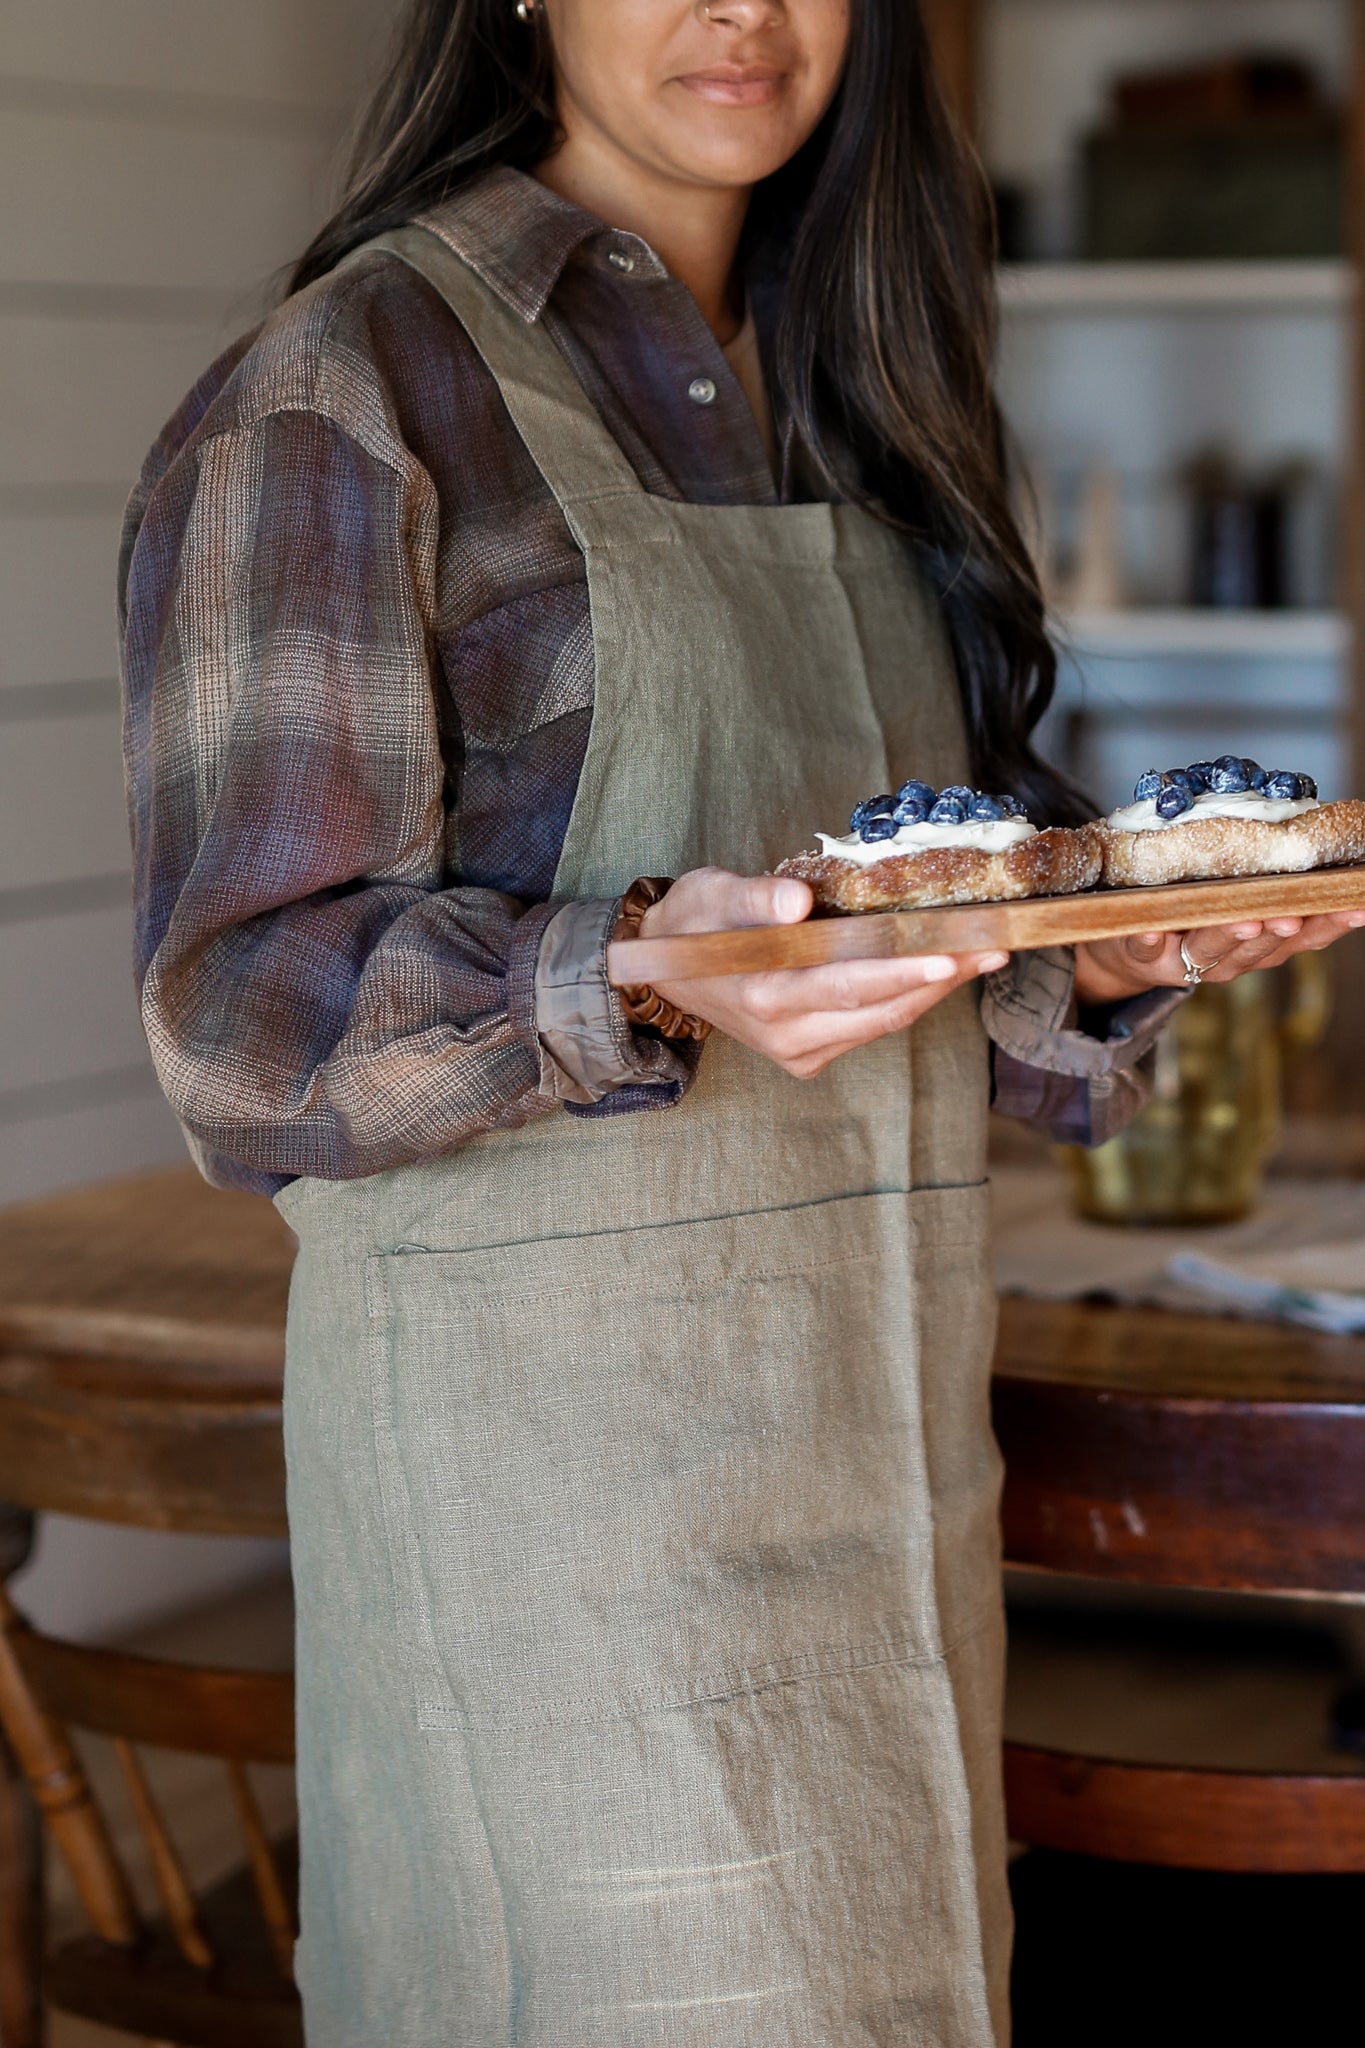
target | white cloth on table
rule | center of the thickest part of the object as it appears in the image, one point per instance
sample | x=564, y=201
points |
x=1300, y=1258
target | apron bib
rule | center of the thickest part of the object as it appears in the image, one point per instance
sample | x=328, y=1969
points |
x=641, y=1481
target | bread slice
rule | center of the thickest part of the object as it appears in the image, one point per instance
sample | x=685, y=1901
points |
x=1216, y=849
x=1058, y=862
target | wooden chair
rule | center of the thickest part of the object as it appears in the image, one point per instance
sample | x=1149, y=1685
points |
x=141, y=1373
x=20, y=1904
x=210, y=1973
x=1194, y=1451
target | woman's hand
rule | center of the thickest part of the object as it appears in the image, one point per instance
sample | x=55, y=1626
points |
x=1109, y=970
x=802, y=1018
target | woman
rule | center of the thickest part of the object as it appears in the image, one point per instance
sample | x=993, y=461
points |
x=619, y=494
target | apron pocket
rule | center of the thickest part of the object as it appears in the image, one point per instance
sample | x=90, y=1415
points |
x=664, y=1465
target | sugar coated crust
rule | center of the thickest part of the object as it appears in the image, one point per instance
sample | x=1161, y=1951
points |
x=1218, y=849
x=1058, y=862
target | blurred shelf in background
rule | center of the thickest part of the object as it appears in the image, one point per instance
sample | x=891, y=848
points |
x=1186, y=631
x=1183, y=378
x=1291, y=287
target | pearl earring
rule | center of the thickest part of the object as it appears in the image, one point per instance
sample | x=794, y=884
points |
x=524, y=10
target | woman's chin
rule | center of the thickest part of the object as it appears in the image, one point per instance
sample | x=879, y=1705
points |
x=713, y=146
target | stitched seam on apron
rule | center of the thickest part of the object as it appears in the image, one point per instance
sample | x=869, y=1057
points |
x=553, y=1293
x=963, y=1238
x=699, y=1691
x=710, y=1691
x=678, y=544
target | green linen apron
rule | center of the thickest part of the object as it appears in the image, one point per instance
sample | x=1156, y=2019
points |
x=641, y=1480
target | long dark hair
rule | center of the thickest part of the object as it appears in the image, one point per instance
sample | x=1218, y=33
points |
x=882, y=232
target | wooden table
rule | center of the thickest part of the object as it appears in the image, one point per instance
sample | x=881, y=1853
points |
x=1196, y=1451
x=142, y=1336
x=141, y=1378
x=142, y=1355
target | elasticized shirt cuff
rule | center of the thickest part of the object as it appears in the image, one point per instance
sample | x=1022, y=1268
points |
x=1029, y=1011
x=522, y=959
x=588, y=1047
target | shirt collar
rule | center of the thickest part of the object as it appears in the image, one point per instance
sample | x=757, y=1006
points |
x=517, y=235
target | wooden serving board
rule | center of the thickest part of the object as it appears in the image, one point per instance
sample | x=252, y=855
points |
x=986, y=927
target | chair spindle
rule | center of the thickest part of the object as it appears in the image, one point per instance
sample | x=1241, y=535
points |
x=270, y=1890
x=171, y=1883
x=62, y=1791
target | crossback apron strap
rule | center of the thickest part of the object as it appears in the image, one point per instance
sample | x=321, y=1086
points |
x=563, y=432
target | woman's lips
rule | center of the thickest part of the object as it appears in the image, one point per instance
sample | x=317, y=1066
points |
x=731, y=88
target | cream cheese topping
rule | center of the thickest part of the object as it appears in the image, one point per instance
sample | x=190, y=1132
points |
x=987, y=835
x=1265, y=810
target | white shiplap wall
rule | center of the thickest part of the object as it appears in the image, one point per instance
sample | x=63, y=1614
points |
x=159, y=159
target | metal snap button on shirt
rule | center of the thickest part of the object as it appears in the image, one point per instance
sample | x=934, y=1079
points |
x=702, y=391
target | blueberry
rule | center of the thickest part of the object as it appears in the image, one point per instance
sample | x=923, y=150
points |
x=1174, y=801
x=1202, y=769
x=1182, y=779
x=1197, y=779
x=1012, y=807
x=877, y=829
x=1308, y=789
x=1229, y=778
x=875, y=807
x=1147, y=786
x=1281, y=786
x=949, y=810
x=1259, y=779
x=987, y=809
x=916, y=793
x=959, y=791
x=911, y=810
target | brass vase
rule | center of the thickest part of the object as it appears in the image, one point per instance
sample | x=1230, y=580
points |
x=1198, y=1152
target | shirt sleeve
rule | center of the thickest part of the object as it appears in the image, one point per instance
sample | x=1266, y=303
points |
x=317, y=1000
x=590, y=1050
x=1078, y=1079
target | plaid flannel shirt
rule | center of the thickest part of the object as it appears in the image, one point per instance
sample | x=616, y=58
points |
x=358, y=670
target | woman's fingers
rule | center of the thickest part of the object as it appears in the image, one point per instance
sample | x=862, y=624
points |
x=1109, y=970
x=714, y=900
x=801, y=1018
x=1231, y=951
x=1224, y=952
x=768, y=899
x=1320, y=932
x=1144, y=950
x=1315, y=935
x=845, y=988
x=806, y=1018
x=806, y=1042
x=855, y=985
